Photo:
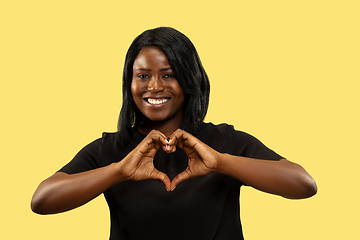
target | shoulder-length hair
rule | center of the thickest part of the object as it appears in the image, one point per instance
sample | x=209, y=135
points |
x=189, y=72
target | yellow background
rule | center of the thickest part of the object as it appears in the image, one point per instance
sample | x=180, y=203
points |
x=286, y=72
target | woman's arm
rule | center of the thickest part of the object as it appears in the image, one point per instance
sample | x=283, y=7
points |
x=62, y=192
x=282, y=177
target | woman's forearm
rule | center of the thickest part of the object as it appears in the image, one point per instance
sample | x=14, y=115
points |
x=282, y=177
x=62, y=192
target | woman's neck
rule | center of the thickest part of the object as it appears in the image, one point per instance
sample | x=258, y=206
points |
x=166, y=127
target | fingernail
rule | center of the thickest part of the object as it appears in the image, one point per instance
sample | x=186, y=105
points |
x=173, y=188
x=167, y=147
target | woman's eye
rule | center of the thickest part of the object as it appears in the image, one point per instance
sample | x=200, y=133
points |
x=169, y=75
x=142, y=76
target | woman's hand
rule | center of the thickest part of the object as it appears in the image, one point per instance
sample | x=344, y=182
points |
x=202, y=158
x=138, y=164
x=62, y=192
x=282, y=177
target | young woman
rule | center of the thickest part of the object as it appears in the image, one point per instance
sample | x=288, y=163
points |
x=163, y=143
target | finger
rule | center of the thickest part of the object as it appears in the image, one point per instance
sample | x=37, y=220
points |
x=159, y=132
x=164, y=141
x=168, y=148
x=173, y=148
x=155, y=139
x=148, y=146
x=162, y=177
x=158, y=136
x=183, y=176
x=177, y=138
x=184, y=140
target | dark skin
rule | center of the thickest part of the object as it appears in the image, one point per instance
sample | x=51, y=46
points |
x=160, y=98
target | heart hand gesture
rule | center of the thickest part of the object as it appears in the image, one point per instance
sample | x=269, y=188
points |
x=138, y=164
x=202, y=158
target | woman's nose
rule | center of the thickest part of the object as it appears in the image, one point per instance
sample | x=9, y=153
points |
x=156, y=85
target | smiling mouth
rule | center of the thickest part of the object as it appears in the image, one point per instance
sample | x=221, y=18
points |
x=156, y=101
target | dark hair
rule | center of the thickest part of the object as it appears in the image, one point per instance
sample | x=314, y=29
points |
x=186, y=65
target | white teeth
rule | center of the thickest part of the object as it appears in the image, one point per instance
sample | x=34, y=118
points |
x=157, y=101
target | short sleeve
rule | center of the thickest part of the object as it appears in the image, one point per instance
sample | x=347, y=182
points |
x=248, y=146
x=86, y=159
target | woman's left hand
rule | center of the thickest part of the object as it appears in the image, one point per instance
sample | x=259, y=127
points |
x=202, y=158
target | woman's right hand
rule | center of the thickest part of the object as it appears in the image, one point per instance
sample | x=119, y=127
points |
x=138, y=164
x=62, y=192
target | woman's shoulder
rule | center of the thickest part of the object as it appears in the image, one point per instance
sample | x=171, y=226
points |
x=227, y=139
x=209, y=126
x=220, y=129
x=226, y=133
x=222, y=137
x=106, y=136
x=95, y=146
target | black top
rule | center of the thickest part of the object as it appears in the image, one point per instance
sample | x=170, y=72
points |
x=205, y=207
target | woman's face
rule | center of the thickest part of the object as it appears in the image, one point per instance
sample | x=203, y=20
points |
x=154, y=87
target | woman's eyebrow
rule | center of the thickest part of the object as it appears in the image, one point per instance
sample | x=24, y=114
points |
x=148, y=69
x=143, y=69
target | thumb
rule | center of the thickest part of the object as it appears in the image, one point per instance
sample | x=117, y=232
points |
x=185, y=175
x=162, y=177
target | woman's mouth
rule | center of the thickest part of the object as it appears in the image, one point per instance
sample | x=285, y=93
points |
x=156, y=101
